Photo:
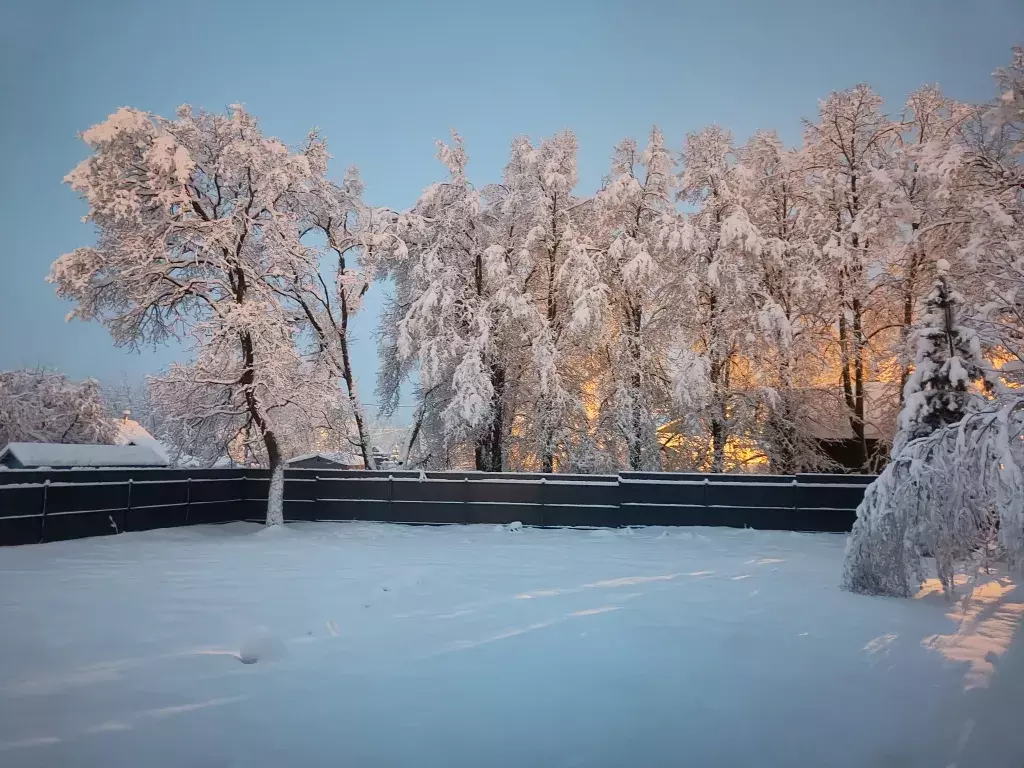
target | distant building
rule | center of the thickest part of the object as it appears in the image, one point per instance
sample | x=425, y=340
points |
x=130, y=432
x=824, y=418
x=326, y=460
x=65, y=456
x=830, y=425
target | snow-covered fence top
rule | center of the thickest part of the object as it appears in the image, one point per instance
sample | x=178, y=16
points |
x=47, y=506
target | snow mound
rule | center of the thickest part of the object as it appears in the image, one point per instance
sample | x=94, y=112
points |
x=262, y=647
x=511, y=527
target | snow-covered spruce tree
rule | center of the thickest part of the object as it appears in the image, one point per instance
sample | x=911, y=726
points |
x=622, y=301
x=198, y=238
x=947, y=362
x=43, y=406
x=939, y=495
x=945, y=481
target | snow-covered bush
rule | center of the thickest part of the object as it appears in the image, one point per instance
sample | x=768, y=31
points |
x=940, y=496
x=952, y=470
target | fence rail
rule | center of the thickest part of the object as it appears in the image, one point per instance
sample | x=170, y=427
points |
x=38, y=506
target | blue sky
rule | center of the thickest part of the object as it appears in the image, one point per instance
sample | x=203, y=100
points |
x=384, y=80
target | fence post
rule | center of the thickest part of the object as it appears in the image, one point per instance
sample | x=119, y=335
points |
x=188, y=496
x=316, y=497
x=42, y=525
x=391, y=494
x=619, y=490
x=128, y=511
x=543, y=490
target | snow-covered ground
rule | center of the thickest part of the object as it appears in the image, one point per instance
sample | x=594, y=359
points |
x=378, y=645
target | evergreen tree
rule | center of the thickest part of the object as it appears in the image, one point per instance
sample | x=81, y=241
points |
x=947, y=360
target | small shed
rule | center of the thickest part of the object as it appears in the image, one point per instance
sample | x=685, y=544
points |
x=64, y=456
x=325, y=460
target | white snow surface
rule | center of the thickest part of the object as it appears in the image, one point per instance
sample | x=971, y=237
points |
x=381, y=645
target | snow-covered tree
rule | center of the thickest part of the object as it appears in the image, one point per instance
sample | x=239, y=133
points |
x=846, y=149
x=535, y=209
x=713, y=285
x=618, y=282
x=947, y=362
x=199, y=237
x=923, y=198
x=133, y=396
x=957, y=472
x=939, y=496
x=993, y=187
x=783, y=302
x=43, y=406
x=457, y=300
x=355, y=238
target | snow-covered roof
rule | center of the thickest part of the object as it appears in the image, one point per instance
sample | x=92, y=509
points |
x=335, y=457
x=64, y=455
x=130, y=432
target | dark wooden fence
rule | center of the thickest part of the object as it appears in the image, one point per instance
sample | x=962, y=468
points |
x=40, y=506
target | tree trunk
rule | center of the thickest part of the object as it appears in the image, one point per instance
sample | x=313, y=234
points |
x=858, y=378
x=548, y=451
x=785, y=454
x=719, y=376
x=403, y=460
x=636, y=447
x=853, y=383
x=718, y=438
x=785, y=461
x=349, y=377
x=490, y=449
x=857, y=337
x=909, y=286
x=547, y=461
x=634, y=319
x=275, y=496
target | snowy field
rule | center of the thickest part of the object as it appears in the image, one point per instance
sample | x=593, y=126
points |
x=378, y=645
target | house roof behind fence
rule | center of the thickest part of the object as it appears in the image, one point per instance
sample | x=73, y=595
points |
x=64, y=455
